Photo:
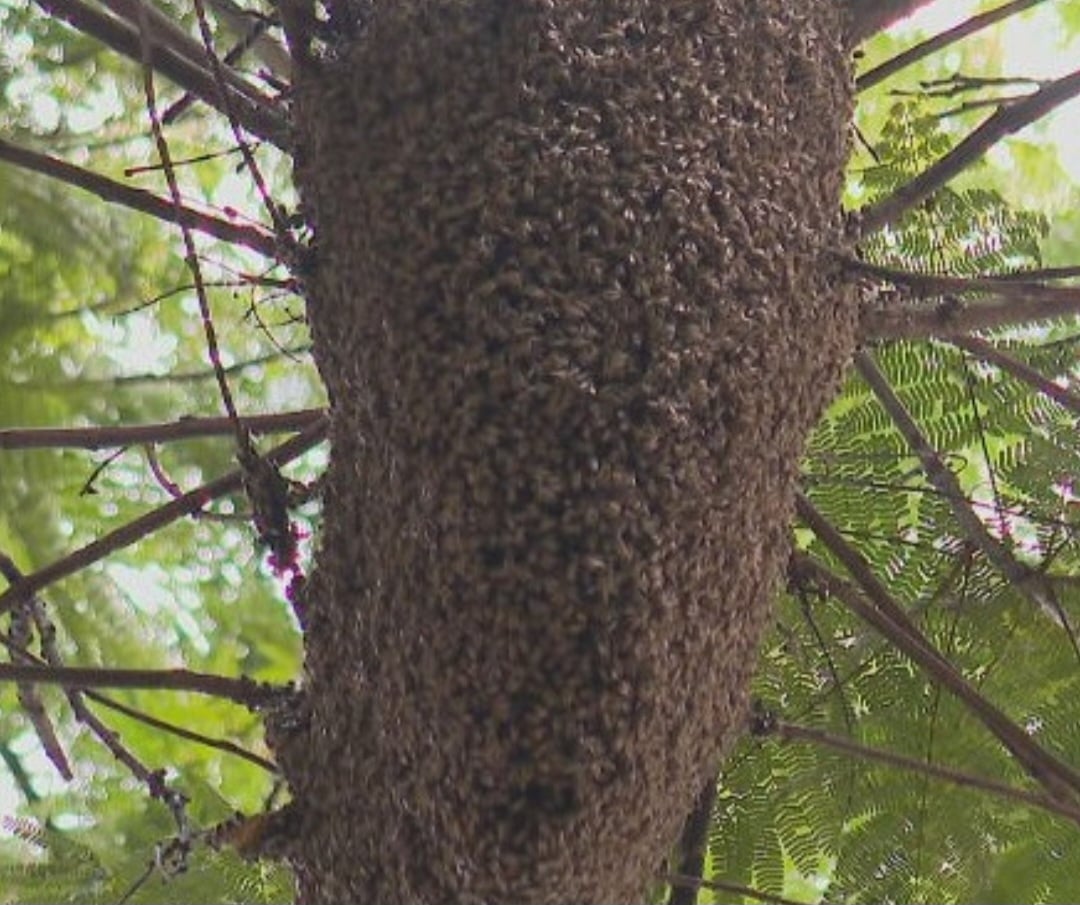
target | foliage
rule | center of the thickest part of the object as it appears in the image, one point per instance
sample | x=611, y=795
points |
x=86, y=340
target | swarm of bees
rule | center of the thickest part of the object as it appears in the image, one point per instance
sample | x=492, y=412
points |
x=568, y=303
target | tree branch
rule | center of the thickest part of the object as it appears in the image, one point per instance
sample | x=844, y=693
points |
x=1029, y=583
x=880, y=610
x=1010, y=300
x=243, y=691
x=255, y=111
x=789, y=732
x=165, y=432
x=1002, y=123
x=1041, y=273
x=952, y=318
x=983, y=350
x=939, y=41
x=871, y=16
x=140, y=200
x=171, y=37
x=133, y=531
x=736, y=888
x=198, y=738
x=932, y=284
x=693, y=846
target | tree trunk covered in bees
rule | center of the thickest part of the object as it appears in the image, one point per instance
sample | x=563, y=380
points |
x=573, y=300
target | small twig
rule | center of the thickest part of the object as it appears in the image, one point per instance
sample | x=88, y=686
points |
x=1028, y=582
x=163, y=432
x=158, y=471
x=1006, y=121
x=19, y=774
x=190, y=503
x=140, y=200
x=130, y=172
x=23, y=619
x=942, y=39
x=133, y=380
x=901, y=487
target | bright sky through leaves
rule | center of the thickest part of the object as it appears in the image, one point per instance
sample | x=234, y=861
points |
x=1032, y=45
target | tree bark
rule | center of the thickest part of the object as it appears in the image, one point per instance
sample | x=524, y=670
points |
x=572, y=302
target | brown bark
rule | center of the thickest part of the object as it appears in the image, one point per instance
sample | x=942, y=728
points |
x=572, y=304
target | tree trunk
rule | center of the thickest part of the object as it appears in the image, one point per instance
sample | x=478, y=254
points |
x=572, y=300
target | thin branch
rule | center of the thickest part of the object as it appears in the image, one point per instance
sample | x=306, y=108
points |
x=789, y=732
x=147, y=39
x=19, y=774
x=28, y=694
x=983, y=350
x=693, y=845
x=75, y=695
x=981, y=104
x=952, y=318
x=939, y=41
x=220, y=71
x=242, y=691
x=173, y=729
x=879, y=609
x=1006, y=300
x=154, y=780
x=198, y=376
x=169, y=36
x=927, y=285
x=261, y=117
x=145, y=202
x=1029, y=583
x=736, y=888
x=1002, y=123
x=966, y=84
x=871, y=16
x=164, y=432
x=189, y=504
x=1041, y=273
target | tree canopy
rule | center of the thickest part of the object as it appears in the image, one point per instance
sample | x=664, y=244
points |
x=918, y=697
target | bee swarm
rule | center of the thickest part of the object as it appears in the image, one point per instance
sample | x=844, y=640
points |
x=573, y=309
